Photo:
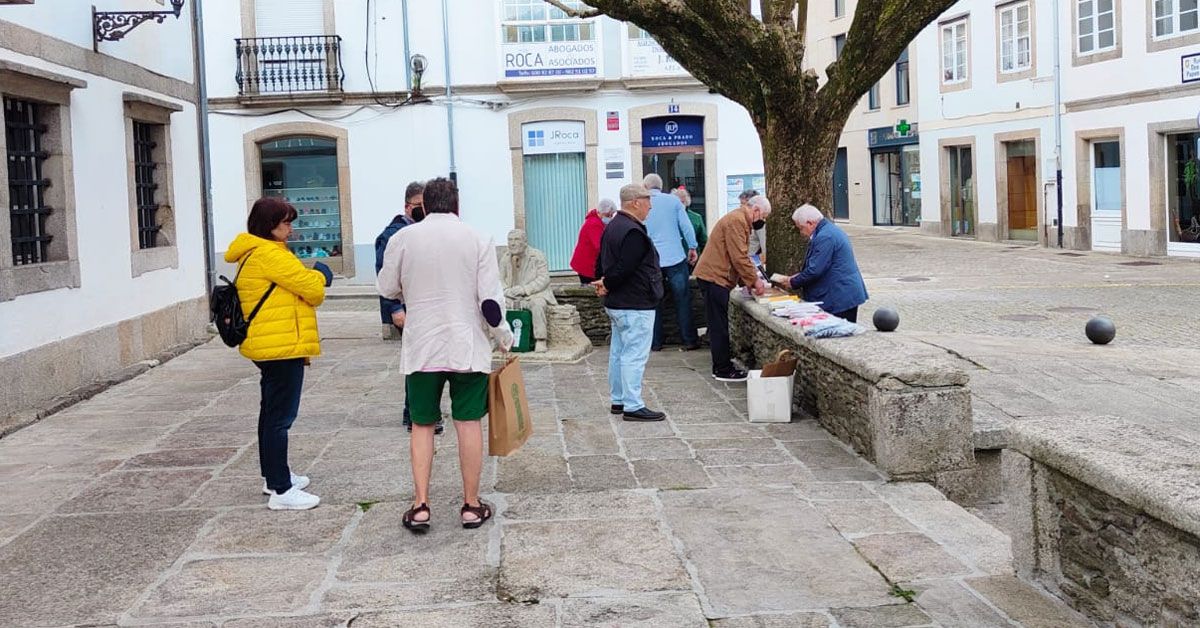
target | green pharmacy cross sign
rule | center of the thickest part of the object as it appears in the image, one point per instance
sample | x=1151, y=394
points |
x=903, y=128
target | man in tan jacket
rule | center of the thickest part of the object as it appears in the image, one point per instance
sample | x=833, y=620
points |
x=724, y=265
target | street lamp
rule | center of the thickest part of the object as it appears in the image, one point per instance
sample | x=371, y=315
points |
x=114, y=25
x=419, y=64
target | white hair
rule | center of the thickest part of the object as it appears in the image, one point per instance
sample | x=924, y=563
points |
x=760, y=203
x=606, y=207
x=807, y=213
x=653, y=181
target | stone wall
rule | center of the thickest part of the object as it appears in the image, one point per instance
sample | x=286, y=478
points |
x=595, y=323
x=46, y=377
x=1107, y=514
x=903, y=405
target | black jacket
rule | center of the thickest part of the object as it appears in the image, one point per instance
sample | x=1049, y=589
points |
x=628, y=263
x=387, y=306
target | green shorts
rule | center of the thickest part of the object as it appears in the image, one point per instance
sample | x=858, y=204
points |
x=468, y=396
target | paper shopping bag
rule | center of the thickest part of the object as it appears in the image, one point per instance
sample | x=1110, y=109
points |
x=783, y=366
x=509, y=424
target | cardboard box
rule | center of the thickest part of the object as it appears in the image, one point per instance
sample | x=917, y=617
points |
x=769, y=398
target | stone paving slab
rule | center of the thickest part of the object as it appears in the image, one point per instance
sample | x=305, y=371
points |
x=120, y=512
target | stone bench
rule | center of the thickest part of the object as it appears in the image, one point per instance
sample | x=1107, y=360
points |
x=904, y=406
x=594, y=320
x=1106, y=513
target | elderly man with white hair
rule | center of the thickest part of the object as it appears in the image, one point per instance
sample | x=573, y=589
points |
x=830, y=274
x=587, y=247
x=725, y=264
x=675, y=240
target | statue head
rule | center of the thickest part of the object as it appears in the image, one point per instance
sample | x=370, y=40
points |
x=516, y=242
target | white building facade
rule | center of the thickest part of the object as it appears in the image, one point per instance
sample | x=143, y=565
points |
x=1129, y=92
x=102, y=251
x=546, y=116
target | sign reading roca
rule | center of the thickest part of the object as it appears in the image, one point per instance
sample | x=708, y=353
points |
x=528, y=60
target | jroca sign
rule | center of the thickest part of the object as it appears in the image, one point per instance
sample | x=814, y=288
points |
x=552, y=136
x=551, y=59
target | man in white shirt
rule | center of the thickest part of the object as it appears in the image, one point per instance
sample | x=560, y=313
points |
x=447, y=275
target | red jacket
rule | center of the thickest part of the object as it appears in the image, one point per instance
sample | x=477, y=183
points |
x=587, y=249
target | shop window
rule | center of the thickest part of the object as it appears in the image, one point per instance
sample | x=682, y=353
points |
x=1015, y=38
x=1176, y=17
x=902, y=93
x=304, y=172
x=954, y=52
x=1183, y=187
x=532, y=21
x=1096, y=26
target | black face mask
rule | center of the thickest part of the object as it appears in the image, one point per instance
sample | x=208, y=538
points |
x=759, y=224
x=418, y=213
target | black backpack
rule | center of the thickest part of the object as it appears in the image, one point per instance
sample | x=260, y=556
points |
x=226, y=308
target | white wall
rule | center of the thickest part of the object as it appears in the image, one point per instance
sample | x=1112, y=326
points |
x=108, y=294
x=164, y=48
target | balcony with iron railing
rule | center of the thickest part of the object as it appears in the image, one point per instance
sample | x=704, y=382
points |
x=300, y=66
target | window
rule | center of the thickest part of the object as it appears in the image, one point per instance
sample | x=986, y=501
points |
x=24, y=130
x=1175, y=17
x=839, y=8
x=839, y=44
x=954, y=52
x=37, y=224
x=873, y=97
x=303, y=171
x=902, y=95
x=151, y=189
x=1096, y=27
x=1106, y=176
x=1015, y=40
x=528, y=21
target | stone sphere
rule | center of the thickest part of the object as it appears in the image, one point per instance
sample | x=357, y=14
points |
x=886, y=319
x=1100, y=330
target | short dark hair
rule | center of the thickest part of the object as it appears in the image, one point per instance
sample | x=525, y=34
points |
x=413, y=189
x=266, y=214
x=747, y=195
x=441, y=196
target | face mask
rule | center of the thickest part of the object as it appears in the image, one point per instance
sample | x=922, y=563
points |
x=418, y=213
x=607, y=219
x=759, y=224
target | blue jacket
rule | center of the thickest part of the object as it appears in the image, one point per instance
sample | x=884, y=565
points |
x=666, y=224
x=388, y=306
x=830, y=274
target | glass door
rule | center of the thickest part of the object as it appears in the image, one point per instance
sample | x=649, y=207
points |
x=1183, y=187
x=676, y=169
x=962, y=192
x=1107, y=199
x=1021, y=170
x=910, y=185
x=555, y=204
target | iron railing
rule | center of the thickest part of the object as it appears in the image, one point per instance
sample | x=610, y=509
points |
x=282, y=65
x=146, y=189
x=27, y=208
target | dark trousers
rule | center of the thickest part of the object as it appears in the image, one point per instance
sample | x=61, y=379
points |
x=583, y=281
x=849, y=315
x=676, y=280
x=716, y=306
x=281, y=383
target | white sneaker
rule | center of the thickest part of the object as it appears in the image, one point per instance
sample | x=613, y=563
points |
x=298, y=481
x=294, y=499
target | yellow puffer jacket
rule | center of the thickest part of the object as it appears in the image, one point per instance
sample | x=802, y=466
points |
x=286, y=326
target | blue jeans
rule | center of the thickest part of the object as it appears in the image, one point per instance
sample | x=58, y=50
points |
x=676, y=279
x=281, y=383
x=627, y=355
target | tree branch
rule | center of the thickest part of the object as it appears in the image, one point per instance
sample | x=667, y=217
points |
x=579, y=13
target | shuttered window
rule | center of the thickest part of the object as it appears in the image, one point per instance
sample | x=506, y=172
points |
x=285, y=18
x=555, y=204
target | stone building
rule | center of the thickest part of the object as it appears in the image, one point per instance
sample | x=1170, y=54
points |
x=102, y=253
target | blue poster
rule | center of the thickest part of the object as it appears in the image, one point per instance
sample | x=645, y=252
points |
x=673, y=131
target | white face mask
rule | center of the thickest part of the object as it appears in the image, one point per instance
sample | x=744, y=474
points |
x=606, y=219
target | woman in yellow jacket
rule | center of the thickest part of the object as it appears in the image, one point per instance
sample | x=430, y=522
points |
x=281, y=338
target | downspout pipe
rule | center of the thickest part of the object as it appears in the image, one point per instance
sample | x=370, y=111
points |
x=206, y=202
x=449, y=87
x=407, y=53
x=1058, y=174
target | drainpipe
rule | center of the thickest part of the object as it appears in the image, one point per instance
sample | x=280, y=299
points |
x=206, y=204
x=407, y=54
x=449, y=87
x=1058, y=177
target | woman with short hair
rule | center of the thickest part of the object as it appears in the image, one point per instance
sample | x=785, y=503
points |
x=281, y=339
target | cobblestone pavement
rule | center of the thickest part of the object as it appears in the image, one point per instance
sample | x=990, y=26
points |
x=1016, y=314
x=141, y=506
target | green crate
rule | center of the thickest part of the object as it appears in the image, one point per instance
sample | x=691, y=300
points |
x=522, y=326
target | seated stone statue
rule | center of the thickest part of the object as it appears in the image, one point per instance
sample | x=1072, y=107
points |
x=526, y=278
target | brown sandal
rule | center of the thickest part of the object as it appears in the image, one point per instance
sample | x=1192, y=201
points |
x=482, y=512
x=411, y=522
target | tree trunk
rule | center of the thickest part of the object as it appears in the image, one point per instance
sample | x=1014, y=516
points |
x=799, y=167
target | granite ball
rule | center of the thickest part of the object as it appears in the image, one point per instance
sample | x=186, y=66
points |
x=886, y=319
x=1100, y=330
